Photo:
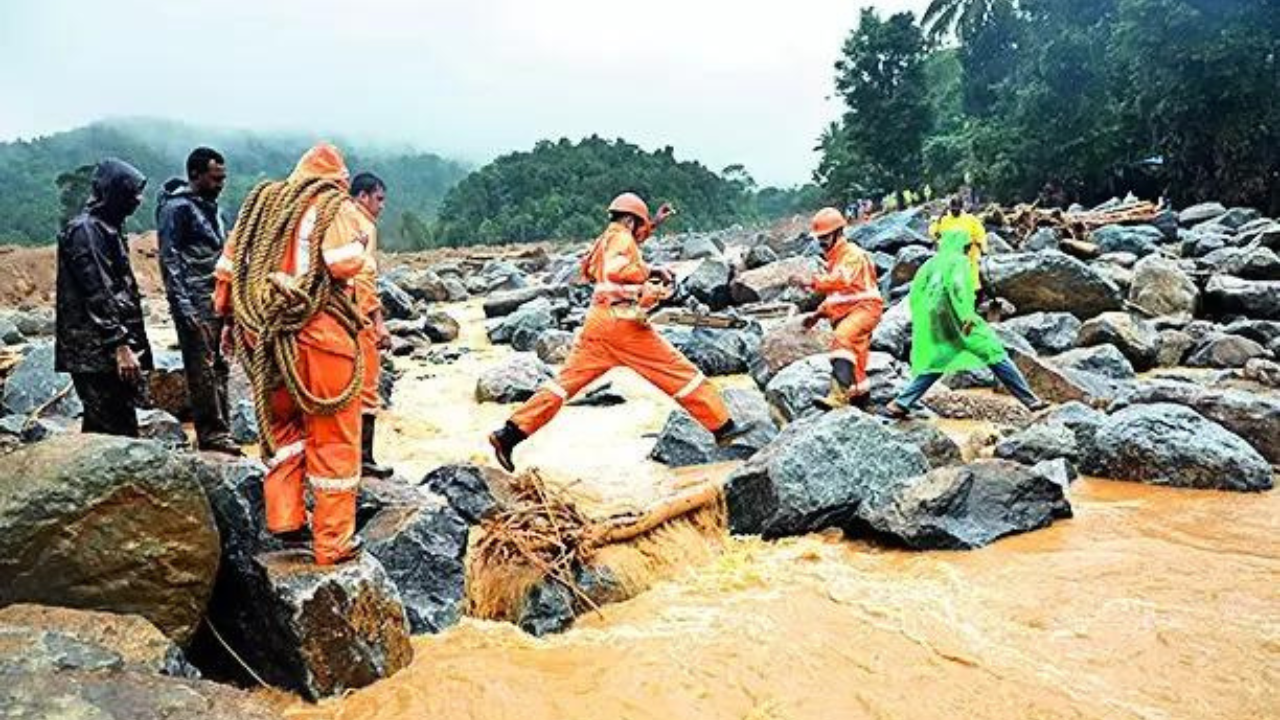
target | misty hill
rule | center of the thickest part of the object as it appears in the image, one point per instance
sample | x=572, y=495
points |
x=30, y=209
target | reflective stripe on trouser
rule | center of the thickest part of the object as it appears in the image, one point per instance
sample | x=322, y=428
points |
x=370, y=399
x=852, y=341
x=321, y=449
x=607, y=342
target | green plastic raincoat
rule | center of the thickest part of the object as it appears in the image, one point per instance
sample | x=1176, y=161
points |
x=942, y=301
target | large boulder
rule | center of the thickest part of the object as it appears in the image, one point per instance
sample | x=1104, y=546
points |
x=969, y=506
x=715, y=351
x=1220, y=350
x=33, y=383
x=328, y=629
x=1047, y=332
x=890, y=233
x=1039, y=442
x=781, y=280
x=553, y=346
x=793, y=390
x=523, y=326
x=818, y=474
x=709, y=283
x=1058, y=384
x=788, y=342
x=1174, y=346
x=108, y=523
x=162, y=427
x=1104, y=360
x=123, y=695
x=423, y=285
x=1141, y=240
x=1052, y=282
x=421, y=546
x=39, y=638
x=466, y=489
x=699, y=246
x=1136, y=339
x=1253, y=416
x=1203, y=212
x=440, y=327
x=938, y=447
x=1167, y=444
x=396, y=303
x=515, y=379
x=684, y=442
x=1249, y=263
x=759, y=256
x=907, y=263
x=893, y=334
x=1226, y=295
x=507, y=301
x=1161, y=287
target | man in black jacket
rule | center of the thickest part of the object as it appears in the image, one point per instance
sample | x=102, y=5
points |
x=100, y=338
x=191, y=237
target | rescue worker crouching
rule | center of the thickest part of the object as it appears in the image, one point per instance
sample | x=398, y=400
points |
x=616, y=333
x=852, y=304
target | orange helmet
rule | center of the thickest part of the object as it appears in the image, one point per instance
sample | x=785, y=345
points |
x=630, y=203
x=827, y=221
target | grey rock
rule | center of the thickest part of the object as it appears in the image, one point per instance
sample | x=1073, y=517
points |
x=162, y=427
x=1174, y=346
x=1039, y=442
x=465, y=488
x=1166, y=444
x=455, y=290
x=907, y=263
x=396, y=303
x=1161, y=287
x=1252, y=416
x=33, y=382
x=969, y=506
x=938, y=447
x=499, y=275
x=1252, y=298
x=526, y=324
x=715, y=351
x=777, y=281
x=506, y=302
x=1141, y=240
x=1058, y=384
x=1249, y=263
x=1237, y=217
x=1224, y=351
x=440, y=327
x=513, y=380
x=124, y=695
x=894, y=231
x=1262, y=332
x=1052, y=282
x=9, y=333
x=1203, y=212
x=1042, y=239
x=423, y=285
x=1135, y=338
x=893, y=334
x=709, y=283
x=1048, y=333
x=553, y=346
x=39, y=638
x=111, y=524
x=1059, y=470
x=794, y=389
x=421, y=547
x=684, y=442
x=700, y=246
x=1104, y=360
x=1263, y=372
x=818, y=474
x=788, y=342
x=759, y=256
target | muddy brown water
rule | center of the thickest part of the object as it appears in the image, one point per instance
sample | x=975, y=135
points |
x=1151, y=603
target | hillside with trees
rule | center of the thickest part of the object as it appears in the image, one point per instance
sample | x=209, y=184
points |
x=1080, y=98
x=45, y=178
x=559, y=190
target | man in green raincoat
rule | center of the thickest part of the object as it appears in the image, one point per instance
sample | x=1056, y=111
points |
x=947, y=334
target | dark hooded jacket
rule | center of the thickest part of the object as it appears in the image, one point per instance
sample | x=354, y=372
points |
x=99, y=307
x=191, y=237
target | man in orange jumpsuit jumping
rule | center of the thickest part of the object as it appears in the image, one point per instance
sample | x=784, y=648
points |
x=323, y=450
x=852, y=304
x=616, y=333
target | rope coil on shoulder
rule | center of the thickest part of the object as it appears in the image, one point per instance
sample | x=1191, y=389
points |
x=267, y=320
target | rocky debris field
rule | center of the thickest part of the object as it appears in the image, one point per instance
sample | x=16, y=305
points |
x=1156, y=342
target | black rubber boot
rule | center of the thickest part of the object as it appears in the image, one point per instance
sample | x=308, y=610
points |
x=368, y=466
x=504, y=441
x=731, y=431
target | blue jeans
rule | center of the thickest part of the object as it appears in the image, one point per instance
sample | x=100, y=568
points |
x=1006, y=372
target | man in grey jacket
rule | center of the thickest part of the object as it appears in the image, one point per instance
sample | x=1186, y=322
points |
x=192, y=233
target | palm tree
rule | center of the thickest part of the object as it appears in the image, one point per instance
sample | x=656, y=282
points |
x=944, y=15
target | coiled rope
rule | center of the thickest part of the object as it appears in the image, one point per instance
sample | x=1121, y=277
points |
x=267, y=319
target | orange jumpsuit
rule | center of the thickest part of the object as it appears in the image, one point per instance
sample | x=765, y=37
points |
x=366, y=287
x=322, y=450
x=610, y=339
x=853, y=305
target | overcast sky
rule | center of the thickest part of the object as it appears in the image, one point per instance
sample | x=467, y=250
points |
x=720, y=81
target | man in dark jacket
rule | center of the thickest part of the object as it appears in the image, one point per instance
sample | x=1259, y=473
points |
x=191, y=237
x=101, y=338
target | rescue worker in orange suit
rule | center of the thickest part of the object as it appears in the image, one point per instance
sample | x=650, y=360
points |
x=852, y=304
x=322, y=450
x=616, y=333
x=370, y=195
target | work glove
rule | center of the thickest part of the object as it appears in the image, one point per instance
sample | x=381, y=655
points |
x=811, y=320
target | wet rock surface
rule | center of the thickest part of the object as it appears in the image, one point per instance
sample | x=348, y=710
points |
x=514, y=380
x=684, y=442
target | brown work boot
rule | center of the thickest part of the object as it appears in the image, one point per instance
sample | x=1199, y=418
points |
x=835, y=399
x=504, y=441
x=222, y=445
x=352, y=552
x=731, y=431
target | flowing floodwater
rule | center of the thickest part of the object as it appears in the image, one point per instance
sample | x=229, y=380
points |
x=1151, y=603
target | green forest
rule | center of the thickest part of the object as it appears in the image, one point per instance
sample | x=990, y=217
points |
x=560, y=190
x=1082, y=99
x=43, y=176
